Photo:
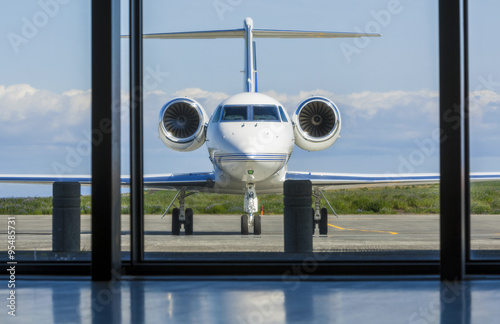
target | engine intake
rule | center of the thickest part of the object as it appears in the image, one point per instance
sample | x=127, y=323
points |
x=317, y=124
x=182, y=124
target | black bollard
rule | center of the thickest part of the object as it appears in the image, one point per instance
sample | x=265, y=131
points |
x=66, y=217
x=298, y=216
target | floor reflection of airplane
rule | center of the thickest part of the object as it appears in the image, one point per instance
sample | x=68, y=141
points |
x=250, y=138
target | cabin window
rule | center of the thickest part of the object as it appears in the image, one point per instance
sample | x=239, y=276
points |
x=235, y=113
x=265, y=113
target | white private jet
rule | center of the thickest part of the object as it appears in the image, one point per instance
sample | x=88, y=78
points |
x=250, y=138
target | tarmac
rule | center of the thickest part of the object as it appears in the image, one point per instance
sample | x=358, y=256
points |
x=215, y=237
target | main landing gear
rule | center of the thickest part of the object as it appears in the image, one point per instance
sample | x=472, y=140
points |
x=251, y=206
x=321, y=219
x=320, y=215
x=181, y=216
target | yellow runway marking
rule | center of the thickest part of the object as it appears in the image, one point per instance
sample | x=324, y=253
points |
x=351, y=229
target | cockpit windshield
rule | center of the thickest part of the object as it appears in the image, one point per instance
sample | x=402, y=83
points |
x=265, y=113
x=250, y=113
x=235, y=113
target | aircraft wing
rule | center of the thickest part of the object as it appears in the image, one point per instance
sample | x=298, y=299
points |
x=328, y=181
x=188, y=181
x=206, y=180
x=44, y=179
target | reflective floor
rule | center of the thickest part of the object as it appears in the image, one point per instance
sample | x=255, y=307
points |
x=230, y=300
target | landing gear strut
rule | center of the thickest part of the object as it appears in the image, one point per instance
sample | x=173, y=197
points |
x=181, y=216
x=319, y=215
x=251, y=206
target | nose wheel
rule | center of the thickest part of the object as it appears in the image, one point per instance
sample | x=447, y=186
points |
x=250, y=206
x=251, y=221
x=257, y=225
x=244, y=225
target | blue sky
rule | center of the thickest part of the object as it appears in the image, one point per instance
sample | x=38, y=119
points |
x=386, y=88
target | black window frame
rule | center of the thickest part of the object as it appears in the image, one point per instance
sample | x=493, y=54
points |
x=454, y=263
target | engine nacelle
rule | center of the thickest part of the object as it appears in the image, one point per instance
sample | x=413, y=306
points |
x=317, y=124
x=183, y=124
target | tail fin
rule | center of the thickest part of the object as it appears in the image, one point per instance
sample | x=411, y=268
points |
x=255, y=66
x=248, y=33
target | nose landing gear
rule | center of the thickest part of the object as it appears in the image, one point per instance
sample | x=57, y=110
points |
x=251, y=206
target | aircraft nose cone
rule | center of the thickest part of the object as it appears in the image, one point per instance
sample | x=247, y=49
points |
x=249, y=154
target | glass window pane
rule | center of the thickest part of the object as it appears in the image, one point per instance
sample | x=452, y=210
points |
x=45, y=99
x=216, y=115
x=390, y=130
x=265, y=113
x=234, y=113
x=484, y=98
x=283, y=115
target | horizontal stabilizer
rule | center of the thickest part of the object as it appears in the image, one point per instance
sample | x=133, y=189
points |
x=232, y=33
x=274, y=33
x=258, y=33
x=248, y=33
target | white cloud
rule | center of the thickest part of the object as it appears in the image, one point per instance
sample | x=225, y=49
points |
x=290, y=101
x=40, y=116
x=39, y=128
x=30, y=115
x=368, y=104
x=209, y=100
x=21, y=101
x=483, y=105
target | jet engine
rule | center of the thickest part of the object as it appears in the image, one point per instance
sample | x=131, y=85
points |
x=183, y=124
x=316, y=124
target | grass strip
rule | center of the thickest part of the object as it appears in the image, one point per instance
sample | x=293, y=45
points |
x=485, y=199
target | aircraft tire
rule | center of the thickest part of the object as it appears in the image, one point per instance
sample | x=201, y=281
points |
x=257, y=225
x=188, y=225
x=323, y=223
x=176, y=225
x=244, y=225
